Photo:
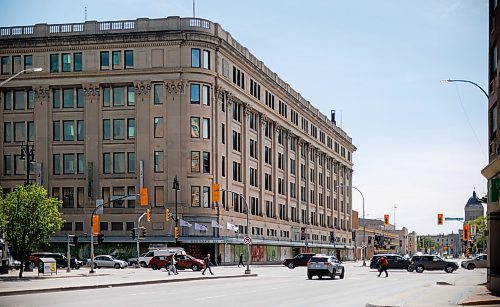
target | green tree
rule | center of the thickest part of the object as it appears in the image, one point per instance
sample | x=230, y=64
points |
x=480, y=237
x=30, y=219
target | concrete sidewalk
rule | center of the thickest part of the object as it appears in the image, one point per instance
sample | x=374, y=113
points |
x=481, y=296
x=31, y=282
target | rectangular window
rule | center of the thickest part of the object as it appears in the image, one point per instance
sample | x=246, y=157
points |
x=131, y=202
x=68, y=130
x=56, y=164
x=106, y=161
x=19, y=132
x=129, y=59
x=69, y=163
x=206, y=95
x=158, y=93
x=158, y=161
x=206, y=128
x=195, y=196
x=118, y=96
x=131, y=128
x=66, y=62
x=28, y=61
x=31, y=131
x=54, y=63
x=195, y=94
x=206, y=59
x=195, y=58
x=206, y=162
x=206, y=197
x=19, y=165
x=223, y=133
x=80, y=100
x=7, y=165
x=106, y=97
x=7, y=96
x=119, y=162
x=78, y=61
x=159, y=196
x=131, y=162
x=116, y=226
x=117, y=59
x=195, y=127
x=118, y=129
x=16, y=64
x=68, y=98
x=5, y=65
x=68, y=197
x=130, y=96
x=104, y=60
x=80, y=168
x=158, y=127
x=7, y=132
x=195, y=161
x=80, y=135
x=19, y=100
x=106, y=129
x=493, y=121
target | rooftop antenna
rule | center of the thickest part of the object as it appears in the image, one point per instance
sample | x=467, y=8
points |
x=85, y=13
x=194, y=11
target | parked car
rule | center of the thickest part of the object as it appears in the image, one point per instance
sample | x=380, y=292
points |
x=478, y=262
x=60, y=258
x=322, y=265
x=145, y=258
x=395, y=261
x=183, y=262
x=102, y=261
x=431, y=262
x=299, y=260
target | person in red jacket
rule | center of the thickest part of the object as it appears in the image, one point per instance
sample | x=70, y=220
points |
x=383, y=263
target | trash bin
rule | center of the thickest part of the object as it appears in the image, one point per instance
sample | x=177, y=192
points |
x=47, y=265
x=4, y=269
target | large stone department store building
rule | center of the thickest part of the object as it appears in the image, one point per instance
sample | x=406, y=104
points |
x=128, y=104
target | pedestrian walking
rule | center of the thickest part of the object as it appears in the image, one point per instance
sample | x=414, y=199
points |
x=219, y=259
x=172, y=268
x=207, y=265
x=241, y=261
x=383, y=263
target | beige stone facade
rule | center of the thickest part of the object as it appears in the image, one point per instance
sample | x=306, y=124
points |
x=130, y=104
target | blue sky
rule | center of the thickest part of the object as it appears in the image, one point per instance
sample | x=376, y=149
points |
x=421, y=144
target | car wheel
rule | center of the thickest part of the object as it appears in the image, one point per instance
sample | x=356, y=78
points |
x=448, y=269
x=332, y=275
x=309, y=276
x=291, y=266
x=419, y=269
x=154, y=267
x=195, y=267
x=471, y=266
x=117, y=265
x=342, y=274
x=143, y=264
x=409, y=269
x=320, y=277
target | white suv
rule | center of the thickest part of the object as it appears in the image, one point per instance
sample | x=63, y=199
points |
x=322, y=265
x=145, y=258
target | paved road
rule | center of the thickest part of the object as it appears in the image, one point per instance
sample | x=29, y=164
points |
x=278, y=286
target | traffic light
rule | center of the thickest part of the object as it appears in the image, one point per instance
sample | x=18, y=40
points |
x=143, y=230
x=465, y=233
x=440, y=219
x=176, y=232
x=75, y=240
x=100, y=238
x=302, y=233
x=132, y=233
x=167, y=214
x=386, y=219
x=148, y=215
x=332, y=237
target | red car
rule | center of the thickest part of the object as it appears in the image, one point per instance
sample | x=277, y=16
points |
x=183, y=262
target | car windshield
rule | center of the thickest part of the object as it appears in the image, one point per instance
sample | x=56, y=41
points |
x=319, y=259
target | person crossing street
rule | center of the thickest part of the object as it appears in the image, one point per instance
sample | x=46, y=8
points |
x=207, y=265
x=383, y=263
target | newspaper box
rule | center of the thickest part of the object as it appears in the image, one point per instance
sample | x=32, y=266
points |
x=47, y=265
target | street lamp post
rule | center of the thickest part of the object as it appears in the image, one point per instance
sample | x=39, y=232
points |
x=466, y=81
x=35, y=69
x=363, y=244
x=175, y=186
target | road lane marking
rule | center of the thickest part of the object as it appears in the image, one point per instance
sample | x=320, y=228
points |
x=209, y=297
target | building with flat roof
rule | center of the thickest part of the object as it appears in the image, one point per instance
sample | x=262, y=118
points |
x=125, y=105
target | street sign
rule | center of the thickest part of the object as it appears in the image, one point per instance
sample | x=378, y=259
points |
x=98, y=205
x=460, y=219
x=247, y=240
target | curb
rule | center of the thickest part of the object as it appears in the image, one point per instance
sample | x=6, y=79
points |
x=135, y=283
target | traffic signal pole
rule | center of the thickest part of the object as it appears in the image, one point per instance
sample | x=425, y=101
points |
x=137, y=236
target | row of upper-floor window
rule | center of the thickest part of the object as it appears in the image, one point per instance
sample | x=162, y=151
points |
x=73, y=61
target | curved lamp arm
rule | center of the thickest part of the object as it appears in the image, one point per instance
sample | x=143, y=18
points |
x=467, y=81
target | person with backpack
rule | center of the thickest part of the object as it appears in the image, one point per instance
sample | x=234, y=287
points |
x=383, y=264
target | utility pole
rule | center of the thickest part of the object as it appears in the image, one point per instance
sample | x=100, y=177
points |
x=137, y=235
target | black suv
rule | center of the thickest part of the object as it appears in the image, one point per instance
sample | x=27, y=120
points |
x=60, y=258
x=395, y=261
x=299, y=260
x=431, y=262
